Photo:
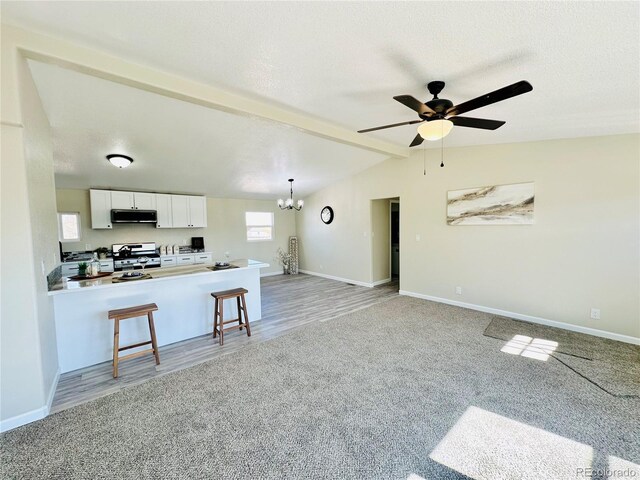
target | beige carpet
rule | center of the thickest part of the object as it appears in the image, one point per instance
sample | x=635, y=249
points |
x=405, y=389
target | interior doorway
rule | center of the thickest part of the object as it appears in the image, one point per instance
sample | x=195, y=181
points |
x=395, y=239
x=385, y=241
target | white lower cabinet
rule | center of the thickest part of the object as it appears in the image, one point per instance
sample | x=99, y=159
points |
x=168, y=261
x=203, y=258
x=186, y=259
x=71, y=268
x=106, y=265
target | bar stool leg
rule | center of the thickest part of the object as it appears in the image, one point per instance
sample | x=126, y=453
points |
x=116, y=345
x=239, y=313
x=154, y=342
x=215, y=318
x=221, y=321
x=246, y=316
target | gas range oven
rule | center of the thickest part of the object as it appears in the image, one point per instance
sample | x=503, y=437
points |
x=131, y=256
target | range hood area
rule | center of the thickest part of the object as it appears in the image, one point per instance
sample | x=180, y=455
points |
x=134, y=216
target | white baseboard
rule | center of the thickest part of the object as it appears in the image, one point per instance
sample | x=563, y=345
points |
x=270, y=274
x=381, y=282
x=52, y=390
x=23, y=419
x=33, y=415
x=528, y=318
x=331, y=277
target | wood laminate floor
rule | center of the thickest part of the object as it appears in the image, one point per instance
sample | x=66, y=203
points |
x=288, y=302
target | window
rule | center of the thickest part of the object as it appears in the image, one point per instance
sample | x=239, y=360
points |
x=69, y=226
x=259, y=226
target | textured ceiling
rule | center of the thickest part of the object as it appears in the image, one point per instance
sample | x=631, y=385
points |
x=343, y=61
x=180, y=147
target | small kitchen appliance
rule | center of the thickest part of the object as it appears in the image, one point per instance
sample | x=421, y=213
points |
x=197, y=244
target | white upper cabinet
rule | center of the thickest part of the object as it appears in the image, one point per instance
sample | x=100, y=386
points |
x=198, y=212
x=163, y=207
x=179, y=211
x=144, y=201
x=133, y=201
x=188, y=211
x=100, y=208
x=122, y=200
x=174, y=211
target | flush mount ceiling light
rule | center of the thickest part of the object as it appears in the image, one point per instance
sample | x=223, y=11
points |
x=435, y=129
x=288, y=203
x=120, y=161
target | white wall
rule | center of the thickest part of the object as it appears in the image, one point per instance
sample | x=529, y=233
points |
x=582, y=251
x=225, y=232
x=42, y=214
x=28, y=356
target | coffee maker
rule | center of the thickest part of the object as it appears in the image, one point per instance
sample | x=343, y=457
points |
x=197, y=244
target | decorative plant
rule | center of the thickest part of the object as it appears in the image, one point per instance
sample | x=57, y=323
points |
x=102, y=251
x=284, y=259
x=82, y=268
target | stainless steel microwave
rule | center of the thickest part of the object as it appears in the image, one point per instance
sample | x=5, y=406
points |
x=134, y=216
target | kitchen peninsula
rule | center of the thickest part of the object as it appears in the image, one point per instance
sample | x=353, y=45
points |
x=185, y=308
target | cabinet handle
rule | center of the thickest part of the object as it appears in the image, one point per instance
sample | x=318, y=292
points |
x=108, y=226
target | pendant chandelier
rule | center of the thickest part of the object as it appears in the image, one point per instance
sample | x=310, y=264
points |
x=288, y=203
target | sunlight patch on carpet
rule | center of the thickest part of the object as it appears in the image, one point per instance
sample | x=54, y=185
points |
x=536, y=348
x=485, y=445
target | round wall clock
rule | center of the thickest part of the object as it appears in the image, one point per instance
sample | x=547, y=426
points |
x=326, y=214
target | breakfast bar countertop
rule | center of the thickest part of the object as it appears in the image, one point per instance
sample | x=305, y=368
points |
x=157, y=274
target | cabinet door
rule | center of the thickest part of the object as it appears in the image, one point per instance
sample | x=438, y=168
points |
x=144, y=201
x=168, y=261
x=185, y=259
x=106, y=265
x=122, y=200
x=203, y=258
x=100, y=208
x=179, y=211
x=197, y=212
x=163, y=207
x=69, y=269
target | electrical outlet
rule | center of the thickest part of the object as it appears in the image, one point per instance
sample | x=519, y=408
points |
x=595, y=313
x=87, y=246
x=184, y=241
x=417, y=237
x=458, y=290
x=44, y=268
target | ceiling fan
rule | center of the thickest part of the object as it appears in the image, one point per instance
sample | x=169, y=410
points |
x=439, y=115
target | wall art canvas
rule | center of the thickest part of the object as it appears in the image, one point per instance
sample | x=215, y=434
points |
x=496, y=205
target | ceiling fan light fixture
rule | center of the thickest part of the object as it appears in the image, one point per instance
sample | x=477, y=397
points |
x=435, y=129
x=120, y=161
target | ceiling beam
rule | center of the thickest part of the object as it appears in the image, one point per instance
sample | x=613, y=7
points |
x=52, y=50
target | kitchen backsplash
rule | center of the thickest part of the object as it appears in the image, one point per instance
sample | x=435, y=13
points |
x=54, y=277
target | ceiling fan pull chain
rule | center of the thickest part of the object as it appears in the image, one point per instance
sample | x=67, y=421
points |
x=424, y=161
x=442, y=152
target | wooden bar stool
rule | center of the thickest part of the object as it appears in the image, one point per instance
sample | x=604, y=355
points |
x=218, y=312
x=132, y=312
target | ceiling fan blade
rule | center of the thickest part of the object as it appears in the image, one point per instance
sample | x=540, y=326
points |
x=477, y=123
x=416, y=141
x=517, y=88
x=389, y=126
x=414, y=104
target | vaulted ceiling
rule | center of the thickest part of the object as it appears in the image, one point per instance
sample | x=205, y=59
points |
x=338, y=61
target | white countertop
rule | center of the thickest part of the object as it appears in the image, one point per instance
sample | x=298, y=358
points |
x=157, y=275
